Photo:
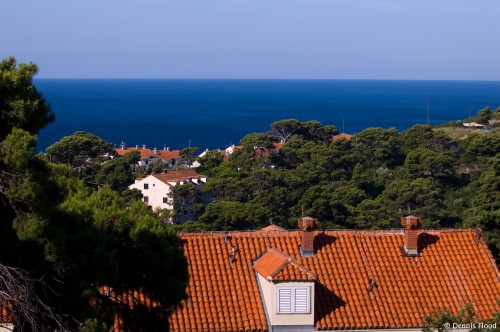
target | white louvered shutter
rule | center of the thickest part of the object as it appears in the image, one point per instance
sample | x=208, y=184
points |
x=292, y=300
x=284, y=300
x=301, y=297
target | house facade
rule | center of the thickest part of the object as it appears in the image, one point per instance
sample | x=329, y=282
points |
x=156, y=190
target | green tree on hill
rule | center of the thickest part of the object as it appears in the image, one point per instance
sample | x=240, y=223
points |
x=283, y=130
x=60, y=240
x=484, y=210
x=21, y=104
x=188, y=155
x=484, y=115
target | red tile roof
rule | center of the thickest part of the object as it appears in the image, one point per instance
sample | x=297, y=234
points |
x=339, y=136
x=363, y=278
x=166, y=155
x=272, y=228
x=178, y=175
x=169, y=155
x=5, y=313
x=276, y=265
x=145, y=153
x=453, y=269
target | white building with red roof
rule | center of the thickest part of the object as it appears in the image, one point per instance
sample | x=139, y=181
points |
x=156, y=190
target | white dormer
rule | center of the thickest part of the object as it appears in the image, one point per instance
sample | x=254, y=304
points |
x=288, y=301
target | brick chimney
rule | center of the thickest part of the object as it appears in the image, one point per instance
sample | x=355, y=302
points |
x=411, y=225
x=307, y=225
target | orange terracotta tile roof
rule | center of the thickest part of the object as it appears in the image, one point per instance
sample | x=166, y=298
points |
x=169, y=155
x=363, y=279
x=339, y=136
x=5, y=313
x=276, y=265
x=178, y=175
x=146, y=153
x=272, y=228
x=131, y=299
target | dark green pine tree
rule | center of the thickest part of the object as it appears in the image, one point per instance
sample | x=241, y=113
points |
x=61, y=240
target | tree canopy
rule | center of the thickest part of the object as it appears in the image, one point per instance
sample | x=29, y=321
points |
x=61, y=240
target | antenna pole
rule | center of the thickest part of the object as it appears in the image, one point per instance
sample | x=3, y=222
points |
x=428, y=119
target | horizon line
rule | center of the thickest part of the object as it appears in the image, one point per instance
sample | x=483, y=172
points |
x=264, y=79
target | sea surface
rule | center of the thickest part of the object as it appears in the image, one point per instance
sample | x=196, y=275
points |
x=214, y=114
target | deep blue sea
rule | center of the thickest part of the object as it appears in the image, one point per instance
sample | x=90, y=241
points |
x=216, y=113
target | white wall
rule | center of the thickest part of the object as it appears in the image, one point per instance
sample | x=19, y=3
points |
x=268, y=290
x=156, y=191
x=6, y=327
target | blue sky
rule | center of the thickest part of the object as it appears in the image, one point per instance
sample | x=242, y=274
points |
x=324, y=39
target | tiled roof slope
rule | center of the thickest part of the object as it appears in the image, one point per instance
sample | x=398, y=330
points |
x=5, y=313
x=169, y=154
x=178, y=175
x=145, y=153
x=148, y=153
x=272, y=228
x=339, y=136
x=276, y=265
x=363, y=279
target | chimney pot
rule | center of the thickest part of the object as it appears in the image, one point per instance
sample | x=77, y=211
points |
x=411, y=222
x=144, y=146
x=411, y=225
x=308, y=225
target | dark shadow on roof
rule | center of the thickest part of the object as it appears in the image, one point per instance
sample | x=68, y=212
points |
x=325, y=302
x=425, y=240
x=323, y=240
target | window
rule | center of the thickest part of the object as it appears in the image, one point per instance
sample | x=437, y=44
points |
x=146, y=199
x=293, y=300
x=146, y=186
x=165, y=200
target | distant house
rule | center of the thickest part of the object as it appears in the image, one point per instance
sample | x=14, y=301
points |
x=310, y=280
x=230, y=149
x=473, y=125
x=169, y=157
x=156, y=189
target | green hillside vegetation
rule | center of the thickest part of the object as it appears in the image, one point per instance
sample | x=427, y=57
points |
x=61, y=240
x=367, y=182
x=448, y=175
x=485, y=116
x=70, y=225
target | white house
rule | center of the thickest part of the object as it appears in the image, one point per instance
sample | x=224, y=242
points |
x=156, y=190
